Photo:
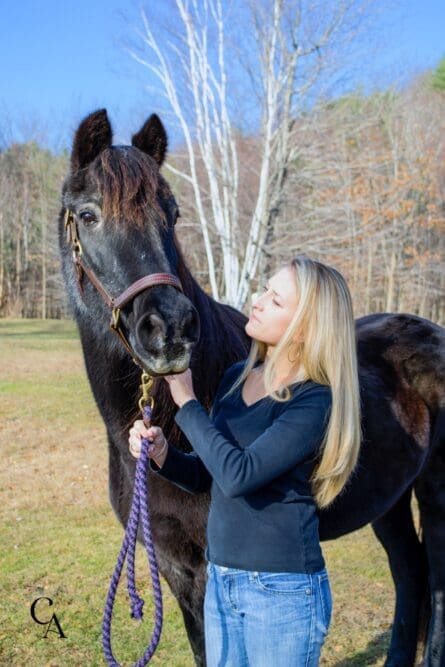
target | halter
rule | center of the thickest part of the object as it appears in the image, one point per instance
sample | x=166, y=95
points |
x=114, y=303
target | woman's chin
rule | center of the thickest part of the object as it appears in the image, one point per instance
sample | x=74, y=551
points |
x=250, y=330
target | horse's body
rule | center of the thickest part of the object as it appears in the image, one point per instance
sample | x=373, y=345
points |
x=402, y=384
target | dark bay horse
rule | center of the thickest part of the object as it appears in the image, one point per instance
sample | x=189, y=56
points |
x=125, y=215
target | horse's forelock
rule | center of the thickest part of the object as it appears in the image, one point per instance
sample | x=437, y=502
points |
x=130, y=184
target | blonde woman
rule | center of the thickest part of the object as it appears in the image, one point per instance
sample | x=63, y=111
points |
x=282, y=439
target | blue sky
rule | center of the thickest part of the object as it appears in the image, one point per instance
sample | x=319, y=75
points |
x=61, y=59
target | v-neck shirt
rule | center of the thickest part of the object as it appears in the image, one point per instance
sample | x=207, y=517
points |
x=256, y=460
x=241, y=387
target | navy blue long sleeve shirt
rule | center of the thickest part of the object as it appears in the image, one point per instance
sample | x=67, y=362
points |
x=256, y=460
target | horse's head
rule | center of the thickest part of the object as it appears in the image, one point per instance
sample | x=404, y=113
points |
x=123, y=214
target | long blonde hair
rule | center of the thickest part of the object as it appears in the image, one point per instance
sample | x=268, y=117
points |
x=327, y=355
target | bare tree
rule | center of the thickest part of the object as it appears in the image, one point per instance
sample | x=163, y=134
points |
x=287, y=51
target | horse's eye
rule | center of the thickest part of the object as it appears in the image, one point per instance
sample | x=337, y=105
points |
x=88, y=218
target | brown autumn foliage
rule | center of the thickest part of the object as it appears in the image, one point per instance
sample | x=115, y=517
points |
x=368, y=195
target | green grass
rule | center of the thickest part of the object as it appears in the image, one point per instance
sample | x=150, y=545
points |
x=60, y=537
x=70, y=561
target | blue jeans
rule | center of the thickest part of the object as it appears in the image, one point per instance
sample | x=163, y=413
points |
x=259, y=619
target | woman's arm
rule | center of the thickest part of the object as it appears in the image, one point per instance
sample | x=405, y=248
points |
x=292, y=438
x=187, y=470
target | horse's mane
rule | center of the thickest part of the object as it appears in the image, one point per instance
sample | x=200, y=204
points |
x=131, y=185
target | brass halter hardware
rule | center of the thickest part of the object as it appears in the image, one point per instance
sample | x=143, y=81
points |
x=72, y=234
x=116, y=303
x=146, y=385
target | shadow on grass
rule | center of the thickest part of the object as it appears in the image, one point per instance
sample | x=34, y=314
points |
x=376, y=648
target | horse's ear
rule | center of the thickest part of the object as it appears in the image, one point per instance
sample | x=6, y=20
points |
x=152, y=139
x=93, y=135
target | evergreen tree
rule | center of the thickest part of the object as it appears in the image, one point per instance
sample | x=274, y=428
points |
x=438, y=78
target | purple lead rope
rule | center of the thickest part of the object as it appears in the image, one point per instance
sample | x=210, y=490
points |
x=139, y=508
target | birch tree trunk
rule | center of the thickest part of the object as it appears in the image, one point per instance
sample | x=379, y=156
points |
x=291, y=49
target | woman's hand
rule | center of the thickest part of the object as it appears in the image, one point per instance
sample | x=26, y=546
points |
x=159, y=446
x=181, y=387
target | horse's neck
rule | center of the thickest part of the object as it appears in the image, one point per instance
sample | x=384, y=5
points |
x=216, y=325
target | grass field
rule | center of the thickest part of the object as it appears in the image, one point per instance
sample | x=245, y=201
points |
x=60, y=537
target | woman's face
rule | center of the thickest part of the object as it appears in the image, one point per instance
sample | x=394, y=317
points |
x=273, y=308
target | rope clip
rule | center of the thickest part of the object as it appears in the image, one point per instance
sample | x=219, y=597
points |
x=145, y=387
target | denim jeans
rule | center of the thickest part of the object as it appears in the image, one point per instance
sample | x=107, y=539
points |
x=259, y=619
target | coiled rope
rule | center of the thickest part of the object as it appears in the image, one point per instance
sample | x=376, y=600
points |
x=139, y=510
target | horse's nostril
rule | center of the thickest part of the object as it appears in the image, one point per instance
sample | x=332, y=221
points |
x=156, y=322
x=155, y=334
x=150, y=331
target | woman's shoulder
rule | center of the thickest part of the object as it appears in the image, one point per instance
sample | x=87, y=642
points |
x=306, y=396
x=311, y=389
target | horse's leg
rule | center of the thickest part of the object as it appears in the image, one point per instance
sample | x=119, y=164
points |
x=194, y=626
x=188, y=588
x=396, y=532
x=430, y=491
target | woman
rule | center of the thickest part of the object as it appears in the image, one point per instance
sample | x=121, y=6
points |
x=282, y=439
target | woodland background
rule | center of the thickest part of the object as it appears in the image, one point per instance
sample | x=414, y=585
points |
x=363, y=188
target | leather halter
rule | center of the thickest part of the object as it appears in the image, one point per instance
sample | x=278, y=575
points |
x=115, y=303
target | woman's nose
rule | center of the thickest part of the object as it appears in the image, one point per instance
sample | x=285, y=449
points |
x=257, y=301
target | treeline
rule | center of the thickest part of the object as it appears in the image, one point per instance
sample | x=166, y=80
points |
x=365, y=191
x=30, y=279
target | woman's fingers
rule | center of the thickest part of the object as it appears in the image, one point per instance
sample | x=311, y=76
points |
x=135, y=446
x=139, y=427
x=154, y=434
